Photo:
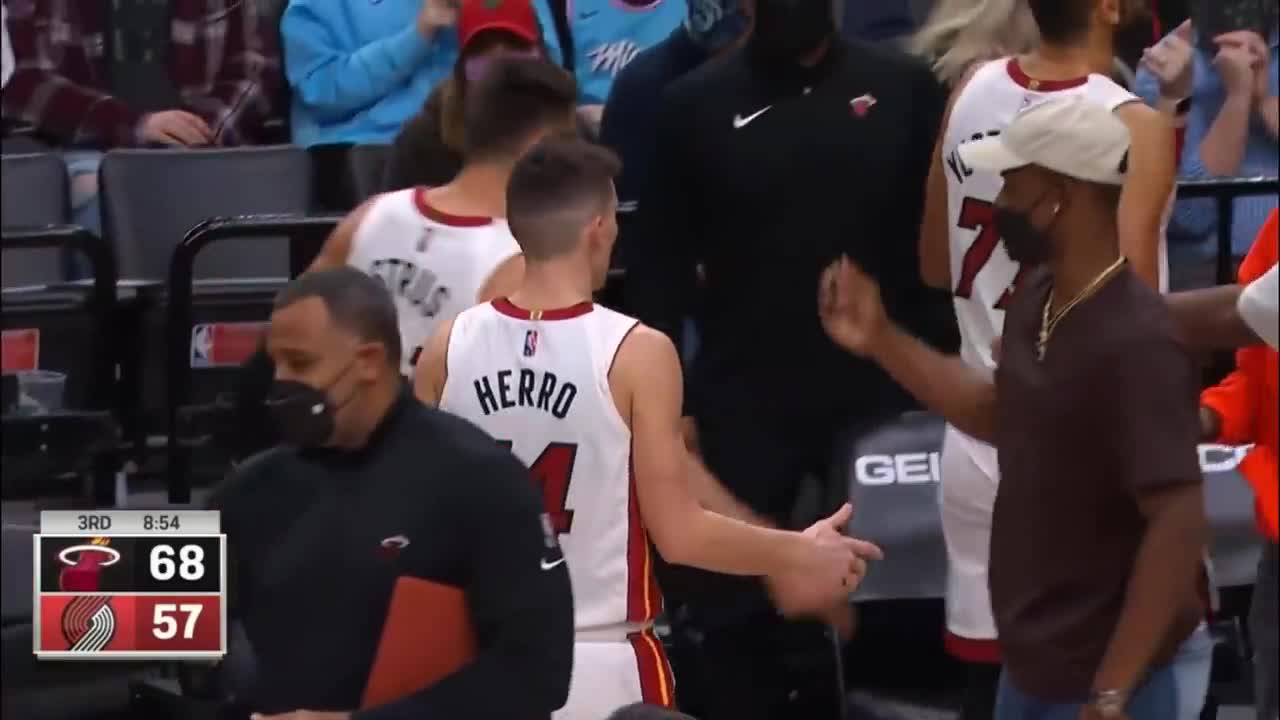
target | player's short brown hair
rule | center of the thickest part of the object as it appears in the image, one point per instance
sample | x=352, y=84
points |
x=1062, y=21
x=515, y=99
x=554, y=190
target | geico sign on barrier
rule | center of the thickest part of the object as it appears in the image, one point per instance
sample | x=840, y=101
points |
x=902, y=469
x=917, y=468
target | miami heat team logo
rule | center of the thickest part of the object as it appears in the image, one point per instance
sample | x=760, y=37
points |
x=861, y=105
x=84, y=564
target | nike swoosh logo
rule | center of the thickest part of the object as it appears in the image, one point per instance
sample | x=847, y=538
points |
x=548, y=565
x=741, y=122
x=588, y=14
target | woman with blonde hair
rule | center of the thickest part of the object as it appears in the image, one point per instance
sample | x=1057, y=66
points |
x=961, y=33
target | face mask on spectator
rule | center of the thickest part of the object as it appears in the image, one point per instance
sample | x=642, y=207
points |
x=475, y=67
x=787, y=30
x=1027, y=244
x=713, y=24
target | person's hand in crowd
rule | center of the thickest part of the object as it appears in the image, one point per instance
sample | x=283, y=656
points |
x=1170, y=61
x=436, y=15
x=832, y=569
x=1210, y=424
x=850, y=307
x=1259, y=54
x=1236, y=62
x=174, y=127
x=302, y=715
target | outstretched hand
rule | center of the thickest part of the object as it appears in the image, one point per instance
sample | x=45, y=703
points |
x=815, y=588
x=850, y=307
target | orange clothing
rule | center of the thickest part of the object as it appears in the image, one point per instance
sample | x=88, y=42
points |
x=1246, y=399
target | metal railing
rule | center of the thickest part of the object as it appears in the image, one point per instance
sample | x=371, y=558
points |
x=102, y=401
x=306, y=235
x=1224, y=192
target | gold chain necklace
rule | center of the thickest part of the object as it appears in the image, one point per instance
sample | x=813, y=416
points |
x=1048, y=323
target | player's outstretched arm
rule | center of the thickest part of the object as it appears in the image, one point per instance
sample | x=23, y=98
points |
x=851, y=311
x=647, y=382
x=433, y=368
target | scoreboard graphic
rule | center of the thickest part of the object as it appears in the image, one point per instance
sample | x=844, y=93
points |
x=127, y=584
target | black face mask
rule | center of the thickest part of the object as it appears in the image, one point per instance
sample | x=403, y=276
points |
x=303, y=415
x=787, y=30
x=1027, y=244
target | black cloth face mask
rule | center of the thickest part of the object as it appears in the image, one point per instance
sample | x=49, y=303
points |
x=787, y=30
x=303, y=414
x=1026, y=244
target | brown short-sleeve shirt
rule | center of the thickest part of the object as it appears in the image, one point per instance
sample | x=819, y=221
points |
x=1111, y=410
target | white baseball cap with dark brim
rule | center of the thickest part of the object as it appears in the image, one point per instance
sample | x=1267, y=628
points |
x=1071, y=135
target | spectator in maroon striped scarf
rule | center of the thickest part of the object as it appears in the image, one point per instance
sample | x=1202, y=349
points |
x=223, y=70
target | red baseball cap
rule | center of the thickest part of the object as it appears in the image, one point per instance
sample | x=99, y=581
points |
x=513, y=16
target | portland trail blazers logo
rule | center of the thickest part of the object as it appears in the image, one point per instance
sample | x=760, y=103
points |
x=88, y=623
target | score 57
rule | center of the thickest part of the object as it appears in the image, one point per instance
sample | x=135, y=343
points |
x=178, y=564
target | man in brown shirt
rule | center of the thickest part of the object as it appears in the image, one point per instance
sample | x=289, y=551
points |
x=1099, y=524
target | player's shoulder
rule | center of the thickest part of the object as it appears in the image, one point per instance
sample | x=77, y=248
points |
x=644, y=349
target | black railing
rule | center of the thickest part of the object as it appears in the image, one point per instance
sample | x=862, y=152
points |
x=306, y=235
x=1224, y=192
x=102, y=400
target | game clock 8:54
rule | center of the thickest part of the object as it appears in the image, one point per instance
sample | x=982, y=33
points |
x=178, y=564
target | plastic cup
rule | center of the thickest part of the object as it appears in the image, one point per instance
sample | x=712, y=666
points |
x=41, y=391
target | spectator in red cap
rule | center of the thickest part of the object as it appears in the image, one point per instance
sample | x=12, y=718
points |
x=428, y=150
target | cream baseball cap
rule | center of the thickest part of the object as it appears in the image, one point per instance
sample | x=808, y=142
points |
x=1071, y=135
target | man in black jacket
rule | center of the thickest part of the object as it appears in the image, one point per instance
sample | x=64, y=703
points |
x=372, y=486
x=769, y=164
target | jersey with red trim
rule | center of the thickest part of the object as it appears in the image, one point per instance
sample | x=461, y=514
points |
x=434, y=263
x=540, y=382
x=982, y=274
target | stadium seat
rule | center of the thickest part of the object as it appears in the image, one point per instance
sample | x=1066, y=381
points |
x=34, y=194
x=368, y=168
x=153, y=197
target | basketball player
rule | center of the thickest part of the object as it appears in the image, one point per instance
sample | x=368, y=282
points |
x=441, y=250
x=591, y=400
x=961, y=251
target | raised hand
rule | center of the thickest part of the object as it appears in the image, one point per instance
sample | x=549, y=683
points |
x=436, y=15
x=827, y=574
x=1236, y=63
x=850, y=307
x=1170, y=61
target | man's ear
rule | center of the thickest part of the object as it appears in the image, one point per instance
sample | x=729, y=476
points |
x=371, y=357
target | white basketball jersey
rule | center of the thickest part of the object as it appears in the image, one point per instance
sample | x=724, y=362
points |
x=540, y=382
x=434, y=264
x=982, y=275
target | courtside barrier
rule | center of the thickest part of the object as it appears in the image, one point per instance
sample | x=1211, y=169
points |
x=305, y=235
x=92, y=428
x=1223, y=192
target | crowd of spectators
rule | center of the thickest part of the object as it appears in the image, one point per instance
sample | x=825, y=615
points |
x=718, y=218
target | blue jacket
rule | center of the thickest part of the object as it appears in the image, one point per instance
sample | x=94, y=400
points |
x=359, y=68
x=1196, y=219
x=607, y=35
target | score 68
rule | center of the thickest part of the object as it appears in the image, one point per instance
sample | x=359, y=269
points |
x=178, y=564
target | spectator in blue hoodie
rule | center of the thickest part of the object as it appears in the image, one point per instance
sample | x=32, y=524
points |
x=606, y=35
x=360, y=68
